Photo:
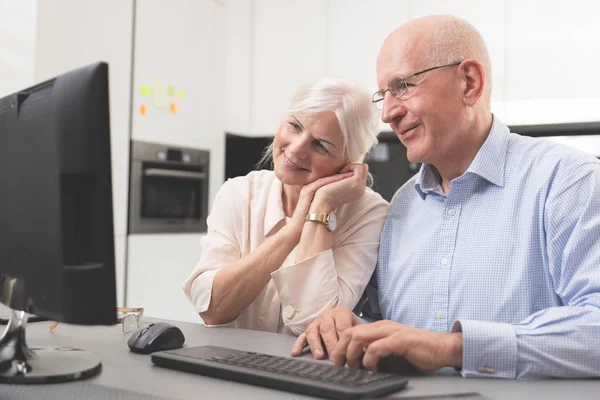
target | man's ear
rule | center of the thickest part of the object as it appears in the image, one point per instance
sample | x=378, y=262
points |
x=474, y=80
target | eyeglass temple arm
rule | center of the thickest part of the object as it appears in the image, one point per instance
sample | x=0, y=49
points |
x=53, y=326
x=129, y=309
x=119, y=309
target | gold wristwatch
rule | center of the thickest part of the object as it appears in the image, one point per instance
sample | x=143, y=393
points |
x=327, y=219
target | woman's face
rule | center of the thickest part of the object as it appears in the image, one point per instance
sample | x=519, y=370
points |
x=308, y=147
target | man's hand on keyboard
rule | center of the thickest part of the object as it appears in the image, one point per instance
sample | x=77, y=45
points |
x=325, y=330
x=364, y=346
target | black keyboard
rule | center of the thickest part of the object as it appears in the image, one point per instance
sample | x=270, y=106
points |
x=321, y=379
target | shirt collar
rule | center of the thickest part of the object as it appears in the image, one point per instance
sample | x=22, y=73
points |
x=428, y=180
x=274, y=211
x=488, y=163
x=491, y=158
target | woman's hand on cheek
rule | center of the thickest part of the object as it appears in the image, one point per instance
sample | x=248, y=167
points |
x=346, y=190
x=307, y=195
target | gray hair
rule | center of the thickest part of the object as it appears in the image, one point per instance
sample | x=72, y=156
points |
x=351, y=103
x=455, y=40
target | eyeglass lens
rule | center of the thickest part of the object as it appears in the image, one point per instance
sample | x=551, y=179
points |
x=397, y=87
x=130, y=323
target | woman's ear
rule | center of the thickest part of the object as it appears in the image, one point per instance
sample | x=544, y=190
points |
x=474, y=78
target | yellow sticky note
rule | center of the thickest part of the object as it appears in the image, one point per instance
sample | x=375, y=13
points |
x=180, y=94
x=144, y=90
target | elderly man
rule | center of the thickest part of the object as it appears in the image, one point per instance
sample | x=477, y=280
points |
x=489, y=260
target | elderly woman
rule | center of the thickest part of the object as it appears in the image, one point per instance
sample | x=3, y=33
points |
x=284, y=245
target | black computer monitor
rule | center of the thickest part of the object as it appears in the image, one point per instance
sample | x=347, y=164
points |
x=56, y=220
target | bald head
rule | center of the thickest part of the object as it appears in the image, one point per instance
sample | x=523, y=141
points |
x=436, y=40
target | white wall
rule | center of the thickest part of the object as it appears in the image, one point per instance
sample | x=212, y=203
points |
x=238, y=66
x=553, y=53
x=544, y=54
x=17, y=45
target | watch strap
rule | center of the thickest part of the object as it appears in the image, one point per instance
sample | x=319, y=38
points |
x=318, y=217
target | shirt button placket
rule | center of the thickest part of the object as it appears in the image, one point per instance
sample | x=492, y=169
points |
x=446, y=247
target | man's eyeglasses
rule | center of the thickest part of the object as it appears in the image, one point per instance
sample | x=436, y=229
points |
x=129, y=322
x=399, y=86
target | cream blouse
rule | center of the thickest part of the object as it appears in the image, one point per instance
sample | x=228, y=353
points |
x=249, y=209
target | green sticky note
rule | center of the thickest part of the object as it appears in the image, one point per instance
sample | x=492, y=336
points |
x=171, y=90
x=144, y=90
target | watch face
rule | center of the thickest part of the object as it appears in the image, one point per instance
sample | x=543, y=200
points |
x=332, y=221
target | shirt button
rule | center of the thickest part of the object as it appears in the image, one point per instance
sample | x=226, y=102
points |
x=444, y=261
x=451, y=212
x=440, y=315
x=289, y=312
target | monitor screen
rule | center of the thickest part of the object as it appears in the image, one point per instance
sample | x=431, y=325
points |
x=57, y=246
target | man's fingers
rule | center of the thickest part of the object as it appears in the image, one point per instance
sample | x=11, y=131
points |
x=354, y=352
x=329, y=333
x=377, y=350
x=299, y=345
x=313, y=337
x=358, y=344
x=344, y=321
x=354, y=341
x=338, y=355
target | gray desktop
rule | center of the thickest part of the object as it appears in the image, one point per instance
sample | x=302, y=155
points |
x=126, y=375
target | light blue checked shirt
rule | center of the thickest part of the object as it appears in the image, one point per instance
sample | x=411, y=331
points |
x=511, y=254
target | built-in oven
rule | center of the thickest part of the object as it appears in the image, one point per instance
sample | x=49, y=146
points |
x=168, y=188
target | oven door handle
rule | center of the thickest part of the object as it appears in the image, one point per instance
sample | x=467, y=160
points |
x=169, y=173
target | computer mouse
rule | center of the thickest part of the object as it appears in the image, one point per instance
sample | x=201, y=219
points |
x=155, y=337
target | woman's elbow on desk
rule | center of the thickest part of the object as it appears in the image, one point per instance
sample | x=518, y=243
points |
x=214, y=318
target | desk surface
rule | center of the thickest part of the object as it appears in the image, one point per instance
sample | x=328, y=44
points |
x=126, y=375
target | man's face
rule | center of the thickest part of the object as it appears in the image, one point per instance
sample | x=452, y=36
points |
x=427, y=117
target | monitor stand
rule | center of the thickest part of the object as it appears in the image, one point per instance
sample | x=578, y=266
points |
x=20, y=364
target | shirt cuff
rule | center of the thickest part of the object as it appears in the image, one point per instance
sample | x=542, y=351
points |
x=489, y=349
x=201, y=291
x=307, y=288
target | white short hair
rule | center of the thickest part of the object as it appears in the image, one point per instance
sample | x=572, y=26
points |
x=350, y=102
